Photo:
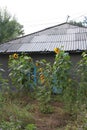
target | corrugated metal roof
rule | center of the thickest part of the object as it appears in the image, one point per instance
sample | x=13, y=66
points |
x=68, y=36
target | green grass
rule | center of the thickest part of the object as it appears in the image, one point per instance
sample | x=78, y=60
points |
x=20, y=111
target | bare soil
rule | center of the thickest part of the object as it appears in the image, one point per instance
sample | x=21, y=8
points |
x=53, y=121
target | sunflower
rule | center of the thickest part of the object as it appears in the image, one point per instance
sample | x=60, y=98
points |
x=57, y=50
x=15, y=56
x=40, y=69
x=42, y=79
x=37, y=63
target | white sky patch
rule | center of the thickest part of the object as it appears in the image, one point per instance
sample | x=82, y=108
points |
x=38, y=14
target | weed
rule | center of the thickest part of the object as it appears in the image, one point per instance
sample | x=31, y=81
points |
x=30, y=127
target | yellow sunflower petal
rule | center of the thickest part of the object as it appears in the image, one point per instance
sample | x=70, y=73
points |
x=56, y=50
x=15, y=56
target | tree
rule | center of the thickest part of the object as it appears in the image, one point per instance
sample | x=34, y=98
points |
x=80, y=24
x=9, y=27
x=85, y=21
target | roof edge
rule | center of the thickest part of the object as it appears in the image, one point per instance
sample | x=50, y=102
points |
x=42, y=30
x=37, y=32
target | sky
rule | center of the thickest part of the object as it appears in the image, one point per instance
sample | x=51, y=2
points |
x=35, y=15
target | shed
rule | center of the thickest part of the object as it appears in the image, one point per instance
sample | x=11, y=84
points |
x=41, y=44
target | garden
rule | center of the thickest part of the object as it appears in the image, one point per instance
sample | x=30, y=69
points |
x=42, y=95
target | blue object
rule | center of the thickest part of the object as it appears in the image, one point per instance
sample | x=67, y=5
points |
x=35, y=79
x=55, y=88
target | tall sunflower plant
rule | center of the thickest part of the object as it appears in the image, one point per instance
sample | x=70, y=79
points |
x=20, y=71
x=61, y=69
x=44, y=75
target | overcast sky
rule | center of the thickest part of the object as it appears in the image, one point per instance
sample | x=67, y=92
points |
x=38, y=14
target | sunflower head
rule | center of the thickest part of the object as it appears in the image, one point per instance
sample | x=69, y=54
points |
x=57, y=50
x=37, y=63
x=15, y=56
x=42, y=78
x=40, y=69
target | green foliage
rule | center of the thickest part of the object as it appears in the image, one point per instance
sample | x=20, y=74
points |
x=44, y=73
x=63, y=80
x=73, y=86
x=14, y=116
x=46, y=109
x=80, y=24
x=5, y=125
x=44, y=96
x=82, y=78
x=44, y=89
x=9, y=27
x=30, y=127
x=82, y=118
x=85, y=21
x=71, y=127
x=21, y=72
x=70, y=97
x=82, y=68
x=59, y=75
x=16, y=113
x=75, y=94
x=61, y=70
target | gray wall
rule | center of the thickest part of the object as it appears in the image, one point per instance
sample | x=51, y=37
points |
x=4, y=64
x=49, y=57
x=75, y=57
